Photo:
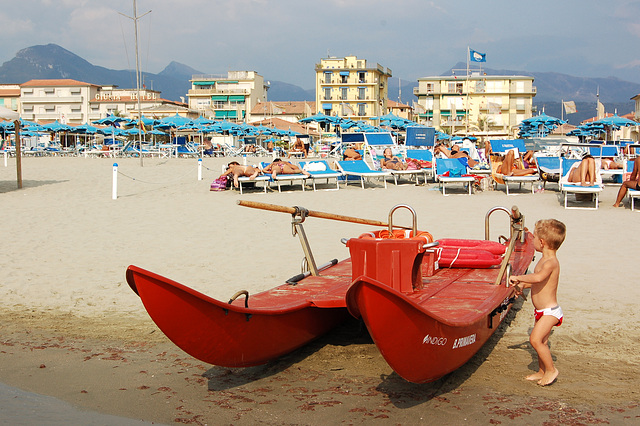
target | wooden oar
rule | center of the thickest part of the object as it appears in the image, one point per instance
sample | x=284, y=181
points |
x=311, y=213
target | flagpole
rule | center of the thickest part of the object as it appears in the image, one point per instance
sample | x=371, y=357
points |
x=562, y=109
x=466, y=124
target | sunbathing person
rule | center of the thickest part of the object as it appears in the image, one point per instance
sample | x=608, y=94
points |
x=234, y=168
x=281, y=167
x=391, y=162
x=583, y=172
x=512, y=166
x=633, y=182
x=610, y=164
x=455, y=152
x=351, y=154
x=298, y=146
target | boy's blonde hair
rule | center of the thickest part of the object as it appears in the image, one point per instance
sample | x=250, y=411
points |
x=552, y=231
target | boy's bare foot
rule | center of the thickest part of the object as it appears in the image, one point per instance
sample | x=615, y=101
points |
x=535, y=377
x=549, y=378
x=616, y=205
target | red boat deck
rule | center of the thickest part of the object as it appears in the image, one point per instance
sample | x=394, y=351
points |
x=326, y=291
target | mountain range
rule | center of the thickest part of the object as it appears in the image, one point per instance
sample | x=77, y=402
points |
x=53, y=62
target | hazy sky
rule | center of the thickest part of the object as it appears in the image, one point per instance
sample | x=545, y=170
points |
x=284, y=39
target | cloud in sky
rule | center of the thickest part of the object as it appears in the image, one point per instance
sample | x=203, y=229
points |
x=283, y=40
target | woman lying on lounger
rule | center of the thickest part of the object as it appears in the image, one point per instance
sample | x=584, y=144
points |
x=512, y=166
x=583, y=172
x=281, y=167
x=234, y=168
x=455, y=152
x=391, y=162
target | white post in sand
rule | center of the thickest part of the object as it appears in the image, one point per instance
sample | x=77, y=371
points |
x=5, y=158
x=114, y=191
x=199, y=168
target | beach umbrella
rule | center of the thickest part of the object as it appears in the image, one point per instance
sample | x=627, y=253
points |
x=111, y=120
x=85, y=128
x=615, y=120
x=540, y=125
x=320, y=118
x=175, y=121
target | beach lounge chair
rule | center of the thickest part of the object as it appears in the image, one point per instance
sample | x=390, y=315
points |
x=608, y=151
x=549, y=169
x=360, y=169
x=501, y=179
x=244, y=180
x=291, y=178
x=578, y=190
x=423, y=155
x=319, y=169
x=451, y=170
x=409, y=173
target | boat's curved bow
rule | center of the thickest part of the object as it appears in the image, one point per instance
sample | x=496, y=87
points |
x=229, y=335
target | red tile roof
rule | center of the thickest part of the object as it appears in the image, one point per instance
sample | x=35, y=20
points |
x=56, y=82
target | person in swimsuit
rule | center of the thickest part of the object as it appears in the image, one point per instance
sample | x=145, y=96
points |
x=351, y=154
x=281, y=167
x=390, y=161
x=548, y=235
x=583, y=172
x=234, y=168
x=455, y=152
x=511, y=166
x=633, y=182
x=298, y=146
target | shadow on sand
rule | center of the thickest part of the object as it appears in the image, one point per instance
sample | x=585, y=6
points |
x=11, y=185
x=401, y=393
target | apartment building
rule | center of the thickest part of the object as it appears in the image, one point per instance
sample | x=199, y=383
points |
x=10, y=96
x=231, y=96
x=349, y=87
x=65, y=100
x=76, y=102
x=485, y=105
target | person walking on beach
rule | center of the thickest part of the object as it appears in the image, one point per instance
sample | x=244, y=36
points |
x=548, y=235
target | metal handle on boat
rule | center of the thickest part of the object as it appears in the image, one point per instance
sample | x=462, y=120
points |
x=344, y=241
x=414, y=227
x=508, y=275
x=240, y=293
x=431, y=245
x=514, y=215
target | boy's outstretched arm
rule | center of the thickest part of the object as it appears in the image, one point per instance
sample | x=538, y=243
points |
x=525, y=281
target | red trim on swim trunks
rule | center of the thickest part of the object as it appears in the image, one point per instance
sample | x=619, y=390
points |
x=539, y=314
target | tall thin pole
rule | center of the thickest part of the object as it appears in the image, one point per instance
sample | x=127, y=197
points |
x=135, y=19
x=135, y=25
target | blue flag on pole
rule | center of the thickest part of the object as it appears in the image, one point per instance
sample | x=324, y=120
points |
x=477, y=56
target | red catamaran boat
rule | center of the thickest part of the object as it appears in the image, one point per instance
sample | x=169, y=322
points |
x=428, y=305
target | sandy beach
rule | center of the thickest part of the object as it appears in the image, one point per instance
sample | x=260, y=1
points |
x=71, y=328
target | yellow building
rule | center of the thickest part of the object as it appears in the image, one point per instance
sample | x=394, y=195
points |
x=348, y=87
x=230, y=96
x=478, y=104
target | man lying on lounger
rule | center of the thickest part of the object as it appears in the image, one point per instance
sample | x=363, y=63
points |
x=281, y=167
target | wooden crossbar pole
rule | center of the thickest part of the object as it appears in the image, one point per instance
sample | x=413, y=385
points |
x=312, y=213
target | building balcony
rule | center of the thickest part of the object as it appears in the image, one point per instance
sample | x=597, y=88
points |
x=26, y=100
x=211, y=92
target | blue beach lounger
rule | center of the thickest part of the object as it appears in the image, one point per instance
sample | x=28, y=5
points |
x=319, y=169
x=361, y=169
x=451, y=170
